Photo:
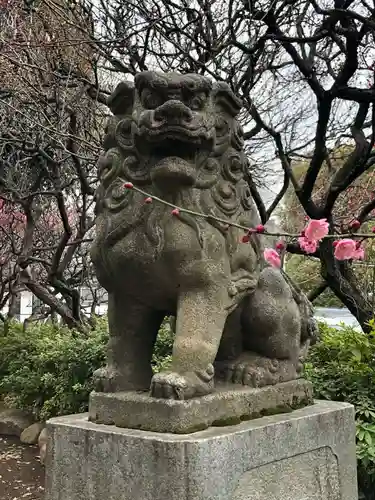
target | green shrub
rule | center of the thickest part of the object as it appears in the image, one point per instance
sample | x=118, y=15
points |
x=48, y=369
x=163, y=348
x=342, y=368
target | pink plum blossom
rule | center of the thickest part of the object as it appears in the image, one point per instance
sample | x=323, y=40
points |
x=316, y=229
x=307, y=245
x=345, y=249
x=359, y=254
x=272, y=257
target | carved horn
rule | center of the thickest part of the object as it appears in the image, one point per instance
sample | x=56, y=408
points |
x=224, y=96
x=120, y=102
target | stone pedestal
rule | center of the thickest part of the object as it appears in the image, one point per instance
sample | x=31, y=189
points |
x=308, y=454
x=229, y=404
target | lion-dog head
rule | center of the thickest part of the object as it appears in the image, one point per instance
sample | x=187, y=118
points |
x=176, y=137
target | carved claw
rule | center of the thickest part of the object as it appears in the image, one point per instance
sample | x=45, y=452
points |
x=106, y=379
x=257, y=371
x=171, y=385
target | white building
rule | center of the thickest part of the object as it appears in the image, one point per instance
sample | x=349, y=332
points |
x=28, y=302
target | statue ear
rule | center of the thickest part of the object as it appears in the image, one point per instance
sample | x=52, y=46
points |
x=121, y=101
x=225, y=98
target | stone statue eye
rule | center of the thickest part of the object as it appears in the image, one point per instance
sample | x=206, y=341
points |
x=236, y=165
x=150, y=100
x=221, y=125
x=197, y=102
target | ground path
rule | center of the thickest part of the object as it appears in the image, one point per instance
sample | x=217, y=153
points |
x=21, y=474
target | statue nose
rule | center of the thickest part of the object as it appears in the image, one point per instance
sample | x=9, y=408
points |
x=173, y=111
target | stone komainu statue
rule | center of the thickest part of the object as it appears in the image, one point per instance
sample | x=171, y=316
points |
x=177, y=137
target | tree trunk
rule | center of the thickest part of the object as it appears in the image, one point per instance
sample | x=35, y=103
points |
x=47, y=298
x=316, y=292
x=343, y=283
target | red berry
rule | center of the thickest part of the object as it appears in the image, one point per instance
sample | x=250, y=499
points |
x=280, y=245
x=246, y=238
x=373, y=229
x=260, y=228
x=335, y=243
x=148, y=200
x=129, y=185
x=303, y=233
x=175, y=211
x=355, y=224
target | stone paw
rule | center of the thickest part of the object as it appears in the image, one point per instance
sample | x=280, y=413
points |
x=257, y=371
x=171, y=385
x=108, y=379
x=251, y=375
x=105, y=379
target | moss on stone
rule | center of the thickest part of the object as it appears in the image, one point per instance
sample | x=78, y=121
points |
x=191, y=430
x=296, y=404
x=227, y=421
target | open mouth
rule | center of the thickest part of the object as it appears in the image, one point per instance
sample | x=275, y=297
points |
x=173, y=141
x=168, y=144
x=174, y=147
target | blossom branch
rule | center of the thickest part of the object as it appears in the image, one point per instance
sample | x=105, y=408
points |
x=177, y=209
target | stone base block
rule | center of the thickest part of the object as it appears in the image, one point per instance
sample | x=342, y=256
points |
x=229, y=404
x=308, y=454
